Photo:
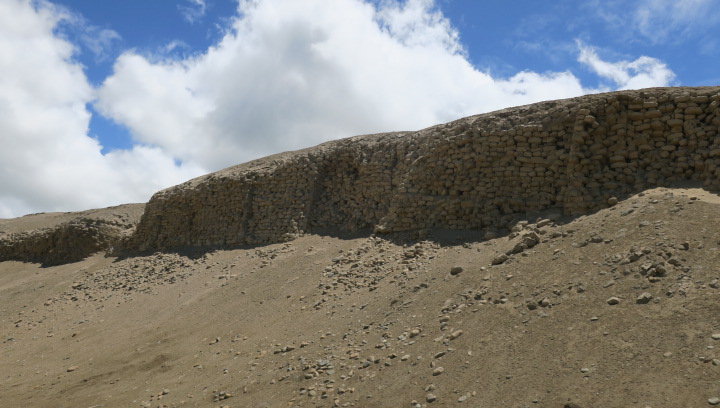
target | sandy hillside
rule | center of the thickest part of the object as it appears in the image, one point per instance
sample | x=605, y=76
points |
x=620, y=308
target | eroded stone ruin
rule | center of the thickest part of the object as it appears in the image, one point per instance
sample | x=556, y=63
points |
x=571, y=155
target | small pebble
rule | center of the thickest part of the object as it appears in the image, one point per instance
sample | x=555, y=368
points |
x=456, y=334
x=613, y=301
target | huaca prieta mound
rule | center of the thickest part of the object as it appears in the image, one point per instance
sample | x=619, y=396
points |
x=557, y=255
x=478, y=172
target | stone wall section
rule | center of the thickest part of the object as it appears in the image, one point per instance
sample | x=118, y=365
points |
x=571, y=155
x=73, y=237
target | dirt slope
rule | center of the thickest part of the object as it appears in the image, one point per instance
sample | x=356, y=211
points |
x=386, y=321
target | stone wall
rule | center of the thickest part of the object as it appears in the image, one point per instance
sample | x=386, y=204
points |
x=571, y=155
x=66, y=237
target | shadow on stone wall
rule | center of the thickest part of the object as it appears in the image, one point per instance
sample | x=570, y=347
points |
x=481, y=172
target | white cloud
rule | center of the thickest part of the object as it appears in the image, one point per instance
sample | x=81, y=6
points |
x=416, y=23
x=100, y=41
x=193, y=10
x=644, y=72
x=296, y=73
x=47, y=160
x=660, y=21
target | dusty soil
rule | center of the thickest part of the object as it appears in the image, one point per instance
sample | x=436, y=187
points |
x=620, y=308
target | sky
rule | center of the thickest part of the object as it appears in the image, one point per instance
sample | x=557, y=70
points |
x=107, y=102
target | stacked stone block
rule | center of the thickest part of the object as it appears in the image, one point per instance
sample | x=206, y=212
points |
x=571, y=155
x=81, y=235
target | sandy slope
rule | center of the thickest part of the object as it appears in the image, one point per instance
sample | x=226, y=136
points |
x=369, y=321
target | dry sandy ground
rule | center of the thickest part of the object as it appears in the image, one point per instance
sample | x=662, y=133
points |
x=367, y=321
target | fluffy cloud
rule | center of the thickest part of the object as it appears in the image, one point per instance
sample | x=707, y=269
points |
x=47, y=160
x=659, y=21
x=296, y=73
x=644, y=72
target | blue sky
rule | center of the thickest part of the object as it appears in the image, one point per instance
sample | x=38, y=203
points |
x=502, y=37
x=109, y=101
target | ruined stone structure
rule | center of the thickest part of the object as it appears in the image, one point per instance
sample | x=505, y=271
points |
x=571, y=155
x=66, y=237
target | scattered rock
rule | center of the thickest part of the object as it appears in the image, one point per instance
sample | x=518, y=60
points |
x=72, y=368
x=714, y=401
x=438, y=371
x=644, y=298
x=544, y=222
x=430, y=397
x=500, y=259
x=456, y=270
x=222, y=395
x=613, y=301
x=454, y=335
